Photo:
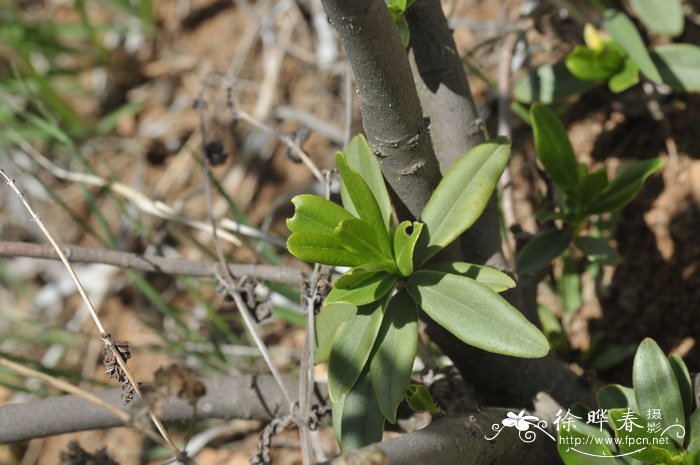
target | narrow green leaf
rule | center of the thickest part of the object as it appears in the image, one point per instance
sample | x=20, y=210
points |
x=655, y=385
x=316, y=215
x=359, y=237
x=361, y=420
x=598, y=250
x=627, y=36
x=476, y=314
x=405, y=237
x=351, y=347
x=463, y=193
x=326, y=324
x=590, y=186
x=551, y=326
x=392, y=361
x=636, y=440
x=612, y=356
x=613, y=396
x=361, y=158
x=594, y=65
x=679, y=65
x=542, y=249
x=418, y=397
x=548, y=84
x=318, y=248
x=569, y=286
x=625, y=186
x=554, y=148
x=627, y=77
x=358, y=198
x=491, y=277
x=374, y=286
x=660, y=16
x=582, y=444
x=685, y=384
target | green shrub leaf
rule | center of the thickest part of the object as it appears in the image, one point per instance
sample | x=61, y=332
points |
x=655, y=385
x=594, y=65
x=361, y=158
x=316, y=215
x=319, y=248
x=542, y=249
x=326, y=324
x=621, y=190
x=359, y=198
x=392, y=361
x=613, y=396
x=660, y=16
x=694, y=444
x=405, y=237
x=636, y=440
x=463, y=193
x=373, y=286
x=359, y=237
x=361, y=422
x=627, y=36
x=598, y=250
x=491, y=277
x=588, y=450
x=419, y=399
x=590, y=186
x=554, y=148
x=627, y=77
x=685, y=384
x=351, y=347
x=476, y=314
x=679, y=65
x=549, y=83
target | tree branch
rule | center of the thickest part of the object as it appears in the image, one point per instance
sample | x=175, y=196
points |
x=149, y=263
x=243, y=397
x=391, y=112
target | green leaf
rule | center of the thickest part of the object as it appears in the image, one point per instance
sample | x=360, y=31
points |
x=554, y=148
x=476, y=314
x=392, y=361
x=582, y=444
x=351, y=347
x=404, y=31
x=316, y=215
x=590, y=186
x=594, y=65
x=627, y=36
x=373, y=286
x=419, y=399
x=636, y=440
x=361, y=158
x=405, y=237
x=319, y=248
x=660, y=16
x=626, y=78
x=463, y=193
x=685, y=384
x=679, y=65
x=358, y=198
x=326, y=324
x=569, y=286
x=551, y=326
x=359, y=237
x=655, y=385
x=361, y=421
x=542, y=249
x=612, y=356
x=694, y=444
x=598, y=250
x=624, y=187
x=549, y=84
x=491, y=277
x=613, y=396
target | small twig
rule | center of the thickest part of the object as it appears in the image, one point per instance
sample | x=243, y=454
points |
x=659, y=116
x=347, y=91
x=284, y=138
x=93, y=313
x=149, y=263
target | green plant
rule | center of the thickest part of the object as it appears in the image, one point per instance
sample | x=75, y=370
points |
x=618, y=55
x=397, y=10
x=368, y=329
x=581, y=196
x=655, y=421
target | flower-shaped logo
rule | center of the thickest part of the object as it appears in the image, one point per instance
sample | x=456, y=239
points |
x=520, y=421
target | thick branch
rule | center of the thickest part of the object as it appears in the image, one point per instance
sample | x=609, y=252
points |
x=150, y=263
x=244, y=397
x=457, y=441
x=391, y=112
